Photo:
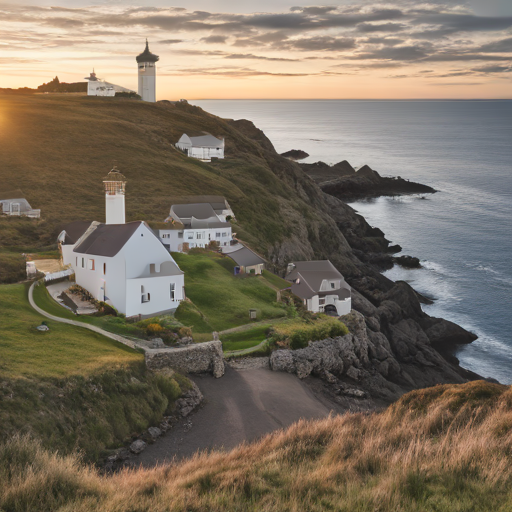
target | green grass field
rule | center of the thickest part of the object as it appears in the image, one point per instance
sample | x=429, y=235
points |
x=244, y=339
x=222, y=298
x=62, y=351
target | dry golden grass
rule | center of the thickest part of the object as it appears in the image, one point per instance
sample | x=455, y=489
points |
x=446, y=448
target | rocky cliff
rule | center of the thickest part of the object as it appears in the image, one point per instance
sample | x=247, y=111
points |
x=394, y=345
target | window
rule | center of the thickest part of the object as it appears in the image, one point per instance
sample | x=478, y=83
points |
x=180, y=234
x=217, y=235
x=199, y=236
x=224, y=234
x=333, y=285
x=83, y=262
x=190, y=236
x=90, y=264
x=144, y=297
x=76, y=262
x=104, y=268
x=172, y=290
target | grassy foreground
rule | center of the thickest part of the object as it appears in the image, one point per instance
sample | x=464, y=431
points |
x=447, y=448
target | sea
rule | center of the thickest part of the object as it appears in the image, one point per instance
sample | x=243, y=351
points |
x=462, y=234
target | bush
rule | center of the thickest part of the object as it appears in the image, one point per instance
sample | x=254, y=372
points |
x=153, y=329
x=184, y=332
x=299, y=334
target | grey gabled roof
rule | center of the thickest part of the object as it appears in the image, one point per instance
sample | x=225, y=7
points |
x=313, y=274
x=107, y=239
x=74, y=230
x=244, y=257
x=198, y=210
x=216, y=202
x=206, y=141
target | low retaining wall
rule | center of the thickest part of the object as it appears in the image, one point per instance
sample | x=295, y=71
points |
x=196, y=358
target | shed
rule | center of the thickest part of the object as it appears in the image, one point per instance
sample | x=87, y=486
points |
x=247, y=261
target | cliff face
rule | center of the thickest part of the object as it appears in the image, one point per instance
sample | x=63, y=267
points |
x=400, y=346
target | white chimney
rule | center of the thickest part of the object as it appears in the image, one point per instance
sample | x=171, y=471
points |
x=114, y=197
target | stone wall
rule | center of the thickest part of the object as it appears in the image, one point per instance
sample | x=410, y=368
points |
x=197, y=358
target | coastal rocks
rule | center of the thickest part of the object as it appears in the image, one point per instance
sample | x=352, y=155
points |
x=154, y=433
x=196, y=358
x=443, y=334
x=407, y=261
x=295, y=154
x=138, y=446
x=189, y=401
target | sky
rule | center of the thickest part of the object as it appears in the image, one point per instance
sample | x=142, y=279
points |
x=283, y=49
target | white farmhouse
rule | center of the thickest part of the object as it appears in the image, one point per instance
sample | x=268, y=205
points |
x=98, y=87
x=322, y=288
x=196, y=224
x=14, y=203
x=204, y=147
x=122, y=264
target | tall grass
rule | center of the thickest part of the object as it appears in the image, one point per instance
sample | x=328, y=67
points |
x=447, y=448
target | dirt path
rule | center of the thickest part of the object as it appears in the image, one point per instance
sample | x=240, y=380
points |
x=241, y=406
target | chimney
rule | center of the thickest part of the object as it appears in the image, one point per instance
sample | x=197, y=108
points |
x=114, y=197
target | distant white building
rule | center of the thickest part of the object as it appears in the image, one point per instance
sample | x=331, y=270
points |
x=14, y=203
x=197, y=223
x=98, y=87
x=146, y=65
x=122, y=264
x=204, y=147
x=322, y=288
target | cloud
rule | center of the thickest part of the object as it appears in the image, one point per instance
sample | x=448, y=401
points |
x=400, y=53
x=171, y=41
x=320, y=43
x=258, y=57
x=500, y=46
x=232, y=72
x=314, y=10
x=214, y=39
x=494, y=69
x=383, y=27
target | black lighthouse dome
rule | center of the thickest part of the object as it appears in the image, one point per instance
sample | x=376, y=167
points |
x=147, y=56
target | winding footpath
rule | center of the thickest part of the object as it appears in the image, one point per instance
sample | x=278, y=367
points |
x=99, y=330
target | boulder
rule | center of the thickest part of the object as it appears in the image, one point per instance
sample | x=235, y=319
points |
x=154, y=432
x=137, y=446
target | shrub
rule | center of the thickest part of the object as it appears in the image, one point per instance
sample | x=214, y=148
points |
x=299, y=334
x=184, y=332
x=153, y=329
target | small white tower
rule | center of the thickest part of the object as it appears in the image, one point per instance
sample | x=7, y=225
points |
x=114, y=197
x=146, y=62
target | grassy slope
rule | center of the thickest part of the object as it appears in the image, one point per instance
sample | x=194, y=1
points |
x=64, y=350
x=58, y=148
x=446, y=448
x=244, y=339
x=70, y=387
x=224, y=299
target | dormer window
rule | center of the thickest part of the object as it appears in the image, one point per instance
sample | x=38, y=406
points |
x=333, y=285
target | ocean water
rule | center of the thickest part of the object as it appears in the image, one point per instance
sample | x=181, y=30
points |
x=462, y=234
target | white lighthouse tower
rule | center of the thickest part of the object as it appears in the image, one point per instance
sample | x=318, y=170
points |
x=114, y=197
x=146, y=62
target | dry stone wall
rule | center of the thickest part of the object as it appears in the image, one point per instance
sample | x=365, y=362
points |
x=198, y=358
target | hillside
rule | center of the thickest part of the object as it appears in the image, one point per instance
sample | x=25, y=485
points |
x=58, y=148
x=447, y=448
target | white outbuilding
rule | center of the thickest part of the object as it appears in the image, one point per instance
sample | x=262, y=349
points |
x=123, y=264
x=322, y=288
x=203, y=147
x=14, y=203
x=98, y=87
x=197, y=224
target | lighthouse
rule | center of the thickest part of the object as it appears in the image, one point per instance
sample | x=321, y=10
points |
x=146, y=63
x=114, y=197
